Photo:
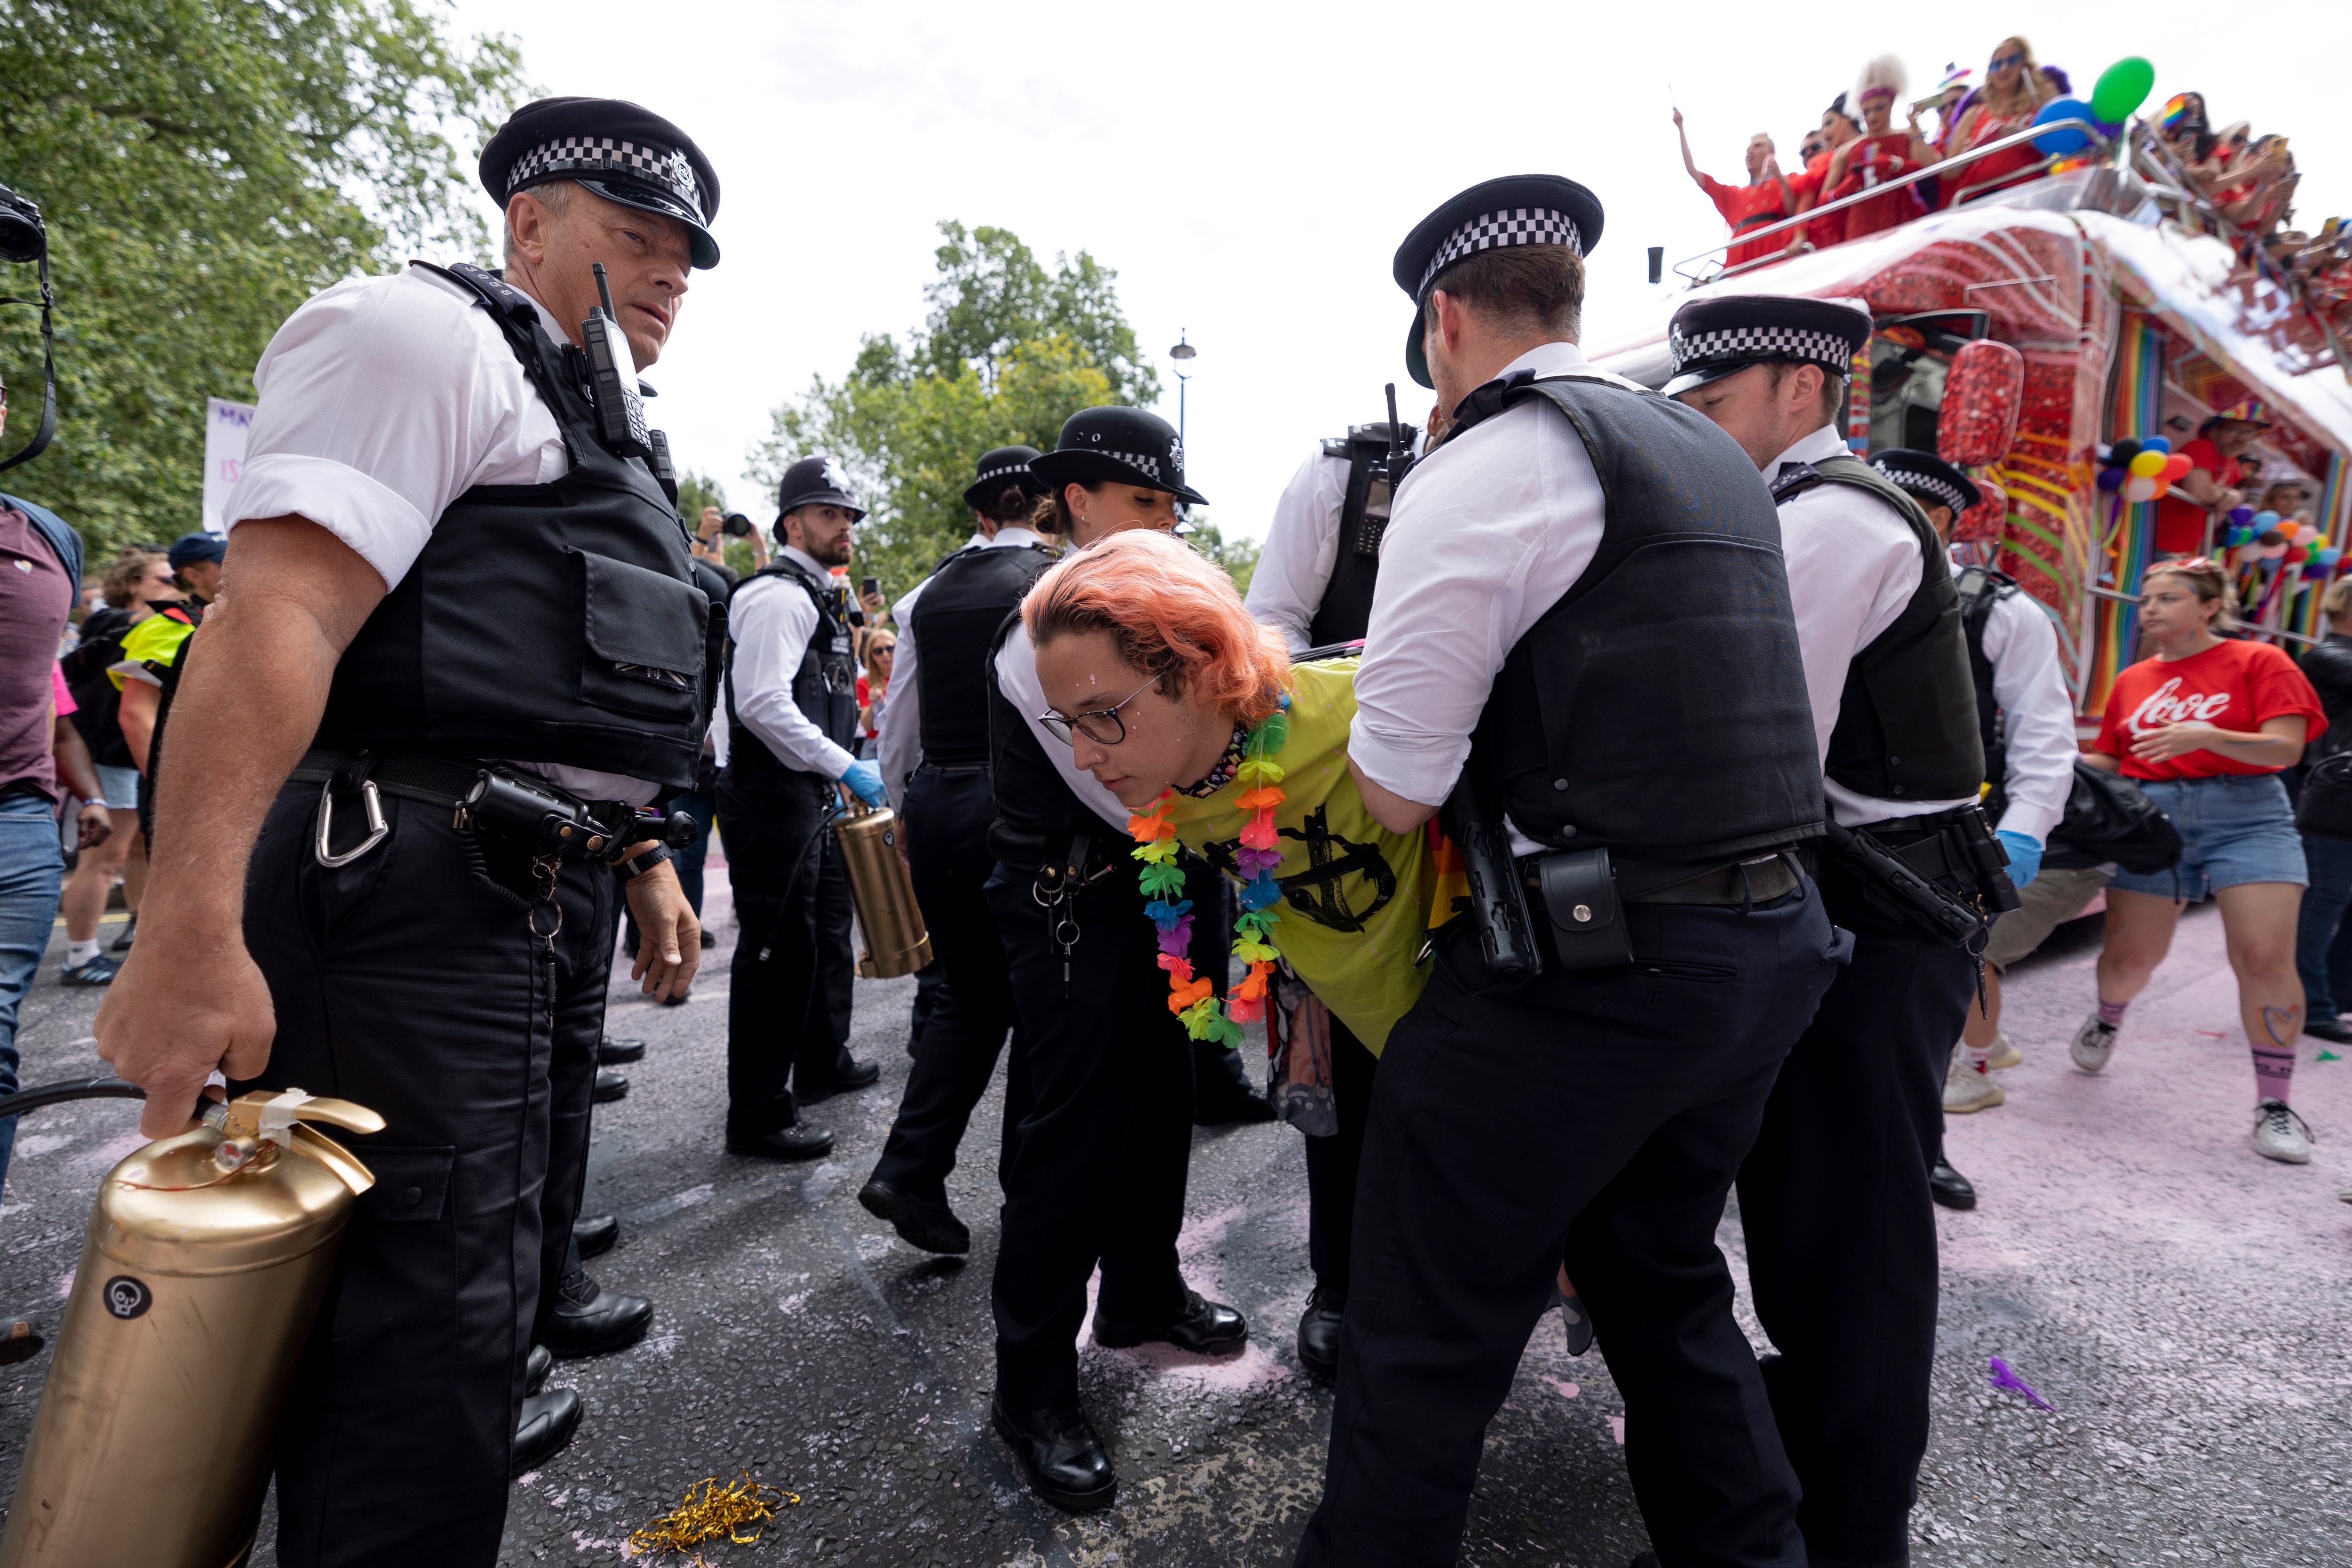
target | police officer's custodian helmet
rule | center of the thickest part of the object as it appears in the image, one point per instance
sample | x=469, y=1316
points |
x=620, y=152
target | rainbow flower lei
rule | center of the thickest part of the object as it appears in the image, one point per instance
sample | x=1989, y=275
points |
x=1194, y=1000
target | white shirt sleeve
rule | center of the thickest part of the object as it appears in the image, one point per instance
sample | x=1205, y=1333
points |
x=382, y=401
x=2022, y=646
x=1302, y=546
x=900, y=750
x=771, y=620
x=1486, y=533
x=1016, y=677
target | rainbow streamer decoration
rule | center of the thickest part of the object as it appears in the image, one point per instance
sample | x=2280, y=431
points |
x=2126, y=530
x=2335, y=493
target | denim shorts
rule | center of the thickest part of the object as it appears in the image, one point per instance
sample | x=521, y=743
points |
x=2235, y=829
x=122, y=786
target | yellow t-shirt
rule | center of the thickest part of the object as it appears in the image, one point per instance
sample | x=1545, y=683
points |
x=1355, y=896
x=154, y=643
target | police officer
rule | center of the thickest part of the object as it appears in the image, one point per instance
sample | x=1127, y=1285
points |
x=792, y=704
x=2025, y=719
x=1834, y=1198
x=457, y=612
x=1314, y=584
x=1582, y=618
x=934, y=757
x=1100, y=1094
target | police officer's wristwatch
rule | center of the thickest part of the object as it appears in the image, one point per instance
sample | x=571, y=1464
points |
x=638, y=865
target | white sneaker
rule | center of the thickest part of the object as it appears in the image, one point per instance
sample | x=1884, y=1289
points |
x=1966, y=1088
x=2094, y=1042
x=2279, y=1134
x=2005, y=1056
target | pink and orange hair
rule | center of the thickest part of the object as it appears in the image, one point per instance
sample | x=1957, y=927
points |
x=1172, y=614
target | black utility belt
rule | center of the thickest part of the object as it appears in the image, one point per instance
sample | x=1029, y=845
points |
x=481, y=797
x=1944, y=874
x=1581, y=894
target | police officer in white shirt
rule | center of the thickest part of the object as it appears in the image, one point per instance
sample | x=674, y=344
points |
x=2025, y=718
x=1834, y=1197
x=458, y=616
x=1582, y=619
x=934, y=757
x=791, y=703
x=1322, y=552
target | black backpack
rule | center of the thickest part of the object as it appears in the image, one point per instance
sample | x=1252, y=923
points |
x=2325, y=809
x=2108, y=818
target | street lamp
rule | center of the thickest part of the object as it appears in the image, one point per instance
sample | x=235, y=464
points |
x=1182, y=353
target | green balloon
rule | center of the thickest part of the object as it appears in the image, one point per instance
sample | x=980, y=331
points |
x=2123, y=87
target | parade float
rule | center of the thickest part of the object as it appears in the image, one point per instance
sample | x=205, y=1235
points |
x=2051, y=335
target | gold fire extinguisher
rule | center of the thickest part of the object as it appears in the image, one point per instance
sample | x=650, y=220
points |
x=896, y=941
x=208, y=1256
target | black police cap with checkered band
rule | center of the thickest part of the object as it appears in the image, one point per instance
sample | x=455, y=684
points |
x=1121, y=446
x=622, y=152
x=1000, y=467
x=1711, y=339
x=1930, y=481
x=1517, y=209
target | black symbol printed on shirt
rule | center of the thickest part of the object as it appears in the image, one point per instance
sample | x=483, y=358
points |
x=1315, y=892
x=127, y=1297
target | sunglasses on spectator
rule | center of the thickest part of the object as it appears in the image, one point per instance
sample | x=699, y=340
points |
x=1103, y=726
x=1999, y=61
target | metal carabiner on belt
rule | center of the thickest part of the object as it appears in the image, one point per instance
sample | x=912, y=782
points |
x=377, y=830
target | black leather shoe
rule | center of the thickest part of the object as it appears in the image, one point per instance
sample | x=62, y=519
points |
x=919, y=1221
x=1950, y=1188
x=859, y=1075
x=1644, y=1560
x=1319, y=1333
x=798, y=1142
x=130, y=934
x=594, y=1234
x=20, y=1338
x=1204, y=1327
x=1066, y=1462
x=591, y=1320
x=1576, y=1318
x=1216, y=1110
x=612, y=1084
x=2331, y=1029
x=548, y=1422
x=535, y=1368
x=611, y=1052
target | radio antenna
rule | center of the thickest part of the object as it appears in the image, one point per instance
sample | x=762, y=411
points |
x=603, y=293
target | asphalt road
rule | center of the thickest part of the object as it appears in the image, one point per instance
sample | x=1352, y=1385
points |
x=2180, y=1302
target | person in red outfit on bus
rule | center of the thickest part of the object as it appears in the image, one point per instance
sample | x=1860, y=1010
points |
x=1879, y=155
x=1764, y=200
x=2215, y=482
x=2015, y=90
x=1837, y=129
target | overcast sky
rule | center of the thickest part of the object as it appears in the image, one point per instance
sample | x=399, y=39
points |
x=1249, y=169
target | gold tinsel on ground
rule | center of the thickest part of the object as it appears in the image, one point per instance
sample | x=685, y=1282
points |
x=719, y=1510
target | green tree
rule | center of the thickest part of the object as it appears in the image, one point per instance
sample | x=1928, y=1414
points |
x=1007, y=352
x=1238, y=557
x=205, y=166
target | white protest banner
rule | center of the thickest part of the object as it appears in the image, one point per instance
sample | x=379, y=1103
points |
x=225, y=424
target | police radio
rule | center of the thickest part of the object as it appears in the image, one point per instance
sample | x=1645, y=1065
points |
x=612, y=379
x=1379, y=457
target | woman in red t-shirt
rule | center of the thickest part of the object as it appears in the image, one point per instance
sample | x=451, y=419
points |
x=2204, y=728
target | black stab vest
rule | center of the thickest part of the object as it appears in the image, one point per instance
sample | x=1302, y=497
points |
x=1659, y=707
x=1346, y=608
x=1907, y=723
x=956, y=619
x=824, y=686
x=1980, y=589
x=555, y=622
x=1036, y=812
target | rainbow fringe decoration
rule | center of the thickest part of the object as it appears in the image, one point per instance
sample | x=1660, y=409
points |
x=1193, y=999
x=2129, y=536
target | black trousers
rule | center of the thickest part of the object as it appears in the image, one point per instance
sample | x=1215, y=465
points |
x=1598, y=1115
x=787, y=1018
x=401, y=985
x=946, y=818
x=1841, y=1233
x=1094, y=1171
x=1332, y=1163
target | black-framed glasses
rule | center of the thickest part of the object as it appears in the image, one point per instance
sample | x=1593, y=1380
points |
x=1094, y=722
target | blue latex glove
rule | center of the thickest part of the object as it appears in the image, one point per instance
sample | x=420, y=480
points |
x=2025, y=856
x=865, y=781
